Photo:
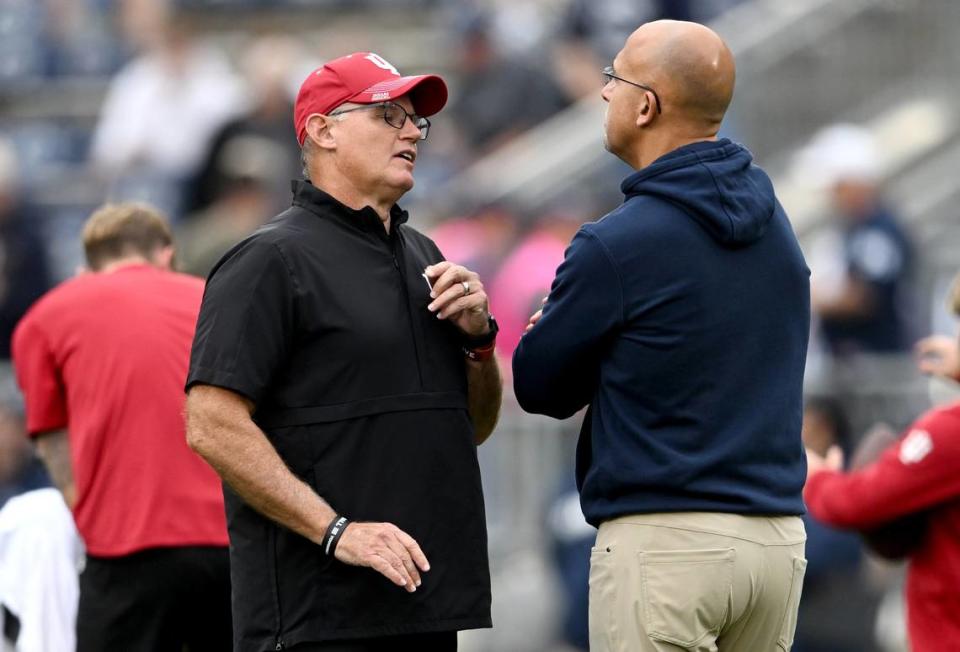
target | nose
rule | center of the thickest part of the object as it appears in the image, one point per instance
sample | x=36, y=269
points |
x=606, y=90
x=410, y=131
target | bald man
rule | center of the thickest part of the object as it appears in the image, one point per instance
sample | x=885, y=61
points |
x=680, y=319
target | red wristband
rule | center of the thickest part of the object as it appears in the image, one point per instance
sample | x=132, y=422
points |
x=481, y=354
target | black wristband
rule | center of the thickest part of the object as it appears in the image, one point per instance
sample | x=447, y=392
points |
x=334, y=532
x=485, y=340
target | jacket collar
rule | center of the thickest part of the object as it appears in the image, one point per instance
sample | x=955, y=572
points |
x=309, y=197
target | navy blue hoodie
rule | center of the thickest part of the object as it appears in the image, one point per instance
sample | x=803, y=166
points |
x=681, y=318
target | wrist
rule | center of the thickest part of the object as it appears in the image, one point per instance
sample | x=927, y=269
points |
x=487, y=338
x=480, y=354
x=333, y=534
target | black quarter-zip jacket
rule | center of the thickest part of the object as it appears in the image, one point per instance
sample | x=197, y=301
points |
x=320, y=318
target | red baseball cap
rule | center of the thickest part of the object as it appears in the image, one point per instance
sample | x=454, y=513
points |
x=363, y=78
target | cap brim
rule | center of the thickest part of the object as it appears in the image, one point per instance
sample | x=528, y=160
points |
x=427, y=92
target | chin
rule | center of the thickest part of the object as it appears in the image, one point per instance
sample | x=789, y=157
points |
x=402, y=183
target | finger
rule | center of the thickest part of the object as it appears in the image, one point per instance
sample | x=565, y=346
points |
x=453, y=275
x=443, y=277
x=414, y=549
x=476, y=303
x=390, y=566
x=454, y=300
x=450, y=294
x=400, y=551
x=433, y=271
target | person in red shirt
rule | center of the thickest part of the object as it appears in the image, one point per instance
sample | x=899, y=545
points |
x=917, y=474
x=101, y=360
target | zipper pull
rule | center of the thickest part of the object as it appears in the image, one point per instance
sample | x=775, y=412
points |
x=279, y=645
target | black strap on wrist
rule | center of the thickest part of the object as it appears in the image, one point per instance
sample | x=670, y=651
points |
x=485, y=340
x=333, y=534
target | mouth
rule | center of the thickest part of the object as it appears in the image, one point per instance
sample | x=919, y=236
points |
x=407, y=156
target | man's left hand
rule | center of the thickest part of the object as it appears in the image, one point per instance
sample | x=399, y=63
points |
x=458, y=295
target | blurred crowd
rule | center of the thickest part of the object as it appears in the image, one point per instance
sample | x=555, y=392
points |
x=195, y=119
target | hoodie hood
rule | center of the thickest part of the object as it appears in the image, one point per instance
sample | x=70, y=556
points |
x=716, y=184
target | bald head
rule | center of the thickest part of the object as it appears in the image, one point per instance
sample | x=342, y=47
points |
x=689, y=65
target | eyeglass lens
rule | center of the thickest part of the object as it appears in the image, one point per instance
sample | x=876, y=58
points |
x=396, y=117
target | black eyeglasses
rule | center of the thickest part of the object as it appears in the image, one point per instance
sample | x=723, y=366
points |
x=394, y=115
x=608, y=75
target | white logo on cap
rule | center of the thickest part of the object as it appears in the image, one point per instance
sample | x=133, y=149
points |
x=381, y=96
x=380, y=62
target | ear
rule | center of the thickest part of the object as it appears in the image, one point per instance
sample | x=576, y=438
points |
x=163, y=258
x=646, y=111
x=320, y=130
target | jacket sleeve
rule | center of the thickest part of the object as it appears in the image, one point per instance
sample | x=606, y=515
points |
x=556, y=366
x=918, y=472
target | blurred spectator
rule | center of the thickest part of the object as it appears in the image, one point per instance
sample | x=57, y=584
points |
x=245, y=174
x=40, y=557
x=939, y=355
x=859, y=290
x=591, y=32
x=75, y=41
x=525, y=277
x=262, y=132
x=604, y=25
x=480, y=240
x=500, y=96
x=837, y=608
x=24, y=274
x=20, y=469
x=162, y=108
x=571, y=539
x=917, y=473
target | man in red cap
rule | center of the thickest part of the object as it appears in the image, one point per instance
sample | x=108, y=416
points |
x=341, y=398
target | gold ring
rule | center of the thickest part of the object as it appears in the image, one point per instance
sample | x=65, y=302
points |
x=466, y=287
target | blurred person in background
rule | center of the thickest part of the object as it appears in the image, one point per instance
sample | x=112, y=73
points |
x=917, y=474
x=526, y=274
x=40, y=550
x=24, y=271
x=571, y=540
x=20, y=468
x=681, y=319
x=592, y=31
x=341, y=396
x=245, y=175
x=939, y=355
x=101, y=360
x=500, y=95
x=163, y=107
x=859, y=288
x=261, y=132
x=838, y=607
x=479, y=240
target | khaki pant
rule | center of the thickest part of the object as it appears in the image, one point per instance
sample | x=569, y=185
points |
x=696, y=581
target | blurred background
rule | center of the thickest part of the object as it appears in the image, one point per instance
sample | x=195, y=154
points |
x=850, y=105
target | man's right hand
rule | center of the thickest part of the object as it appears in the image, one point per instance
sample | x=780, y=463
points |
x=386, y=549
